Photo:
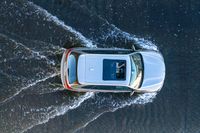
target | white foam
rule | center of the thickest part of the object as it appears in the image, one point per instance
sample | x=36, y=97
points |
x=115, y=31
x=50, y=17
x=61, y=110
x=48, y=91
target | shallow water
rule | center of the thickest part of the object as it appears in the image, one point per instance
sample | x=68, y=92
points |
x=33, y=35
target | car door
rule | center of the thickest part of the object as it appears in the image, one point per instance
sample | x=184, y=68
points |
x=105, y=88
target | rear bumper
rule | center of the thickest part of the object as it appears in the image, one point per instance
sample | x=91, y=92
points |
x=64, y=68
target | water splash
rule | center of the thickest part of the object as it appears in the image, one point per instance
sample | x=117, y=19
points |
x=50, y=17
x=109, y=31
x=115, y=32
x=60, y=110
x=53, y=111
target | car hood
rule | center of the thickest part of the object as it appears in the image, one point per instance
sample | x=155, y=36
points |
x=154, y=71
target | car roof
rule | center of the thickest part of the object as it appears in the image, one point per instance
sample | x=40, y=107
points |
x=90, y=69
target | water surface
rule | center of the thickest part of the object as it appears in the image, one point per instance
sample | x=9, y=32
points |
x=33, y=35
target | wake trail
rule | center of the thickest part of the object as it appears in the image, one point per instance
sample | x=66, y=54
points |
x=143, y=43
x=108, y=32
x=61, y=110
x=50, y=17
x=115, y=32
x=33, y=52
x=28, y=86
x=140, y=100
x=58, y=110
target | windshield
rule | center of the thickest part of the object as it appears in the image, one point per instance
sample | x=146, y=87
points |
x=136, y=70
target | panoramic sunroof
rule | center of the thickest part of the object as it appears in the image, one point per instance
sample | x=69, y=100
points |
x=114, y=69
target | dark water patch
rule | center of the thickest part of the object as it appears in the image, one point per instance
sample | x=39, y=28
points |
x=192, y=70
x=145, y=15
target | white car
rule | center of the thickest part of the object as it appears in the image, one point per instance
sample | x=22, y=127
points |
x=112, y=70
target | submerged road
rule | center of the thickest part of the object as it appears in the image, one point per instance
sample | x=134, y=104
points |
x=34, y=33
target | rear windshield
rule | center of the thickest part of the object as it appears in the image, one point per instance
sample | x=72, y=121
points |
x=114, y=69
